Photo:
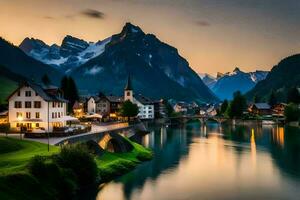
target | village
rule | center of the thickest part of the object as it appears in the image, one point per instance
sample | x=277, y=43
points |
x=35, y=110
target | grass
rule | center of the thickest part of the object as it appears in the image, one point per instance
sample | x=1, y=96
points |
x=7, y=87
x=15, y=153
x=111, y=165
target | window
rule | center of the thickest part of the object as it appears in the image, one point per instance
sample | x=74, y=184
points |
x=27, y=93
x=19, y=114
x=28, y=115
x=19, y=93
x=37, y=104
x=27, y=104
x=52, y=115
x=59, y=115
x=36, y=94
x=128, y=93
x=37, y=125
x=53, y=104
x=37, y=115
x=18, y=104
x=18, y=124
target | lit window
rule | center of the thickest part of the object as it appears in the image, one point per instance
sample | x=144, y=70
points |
x=19, y=114
x=28, y=115
x=37, y=115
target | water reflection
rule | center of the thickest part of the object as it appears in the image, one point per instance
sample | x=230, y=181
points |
x=214, y=162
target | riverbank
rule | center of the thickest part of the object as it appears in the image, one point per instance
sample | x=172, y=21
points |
x=19, y=181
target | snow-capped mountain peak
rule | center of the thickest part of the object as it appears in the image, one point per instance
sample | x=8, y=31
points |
x=72, y=52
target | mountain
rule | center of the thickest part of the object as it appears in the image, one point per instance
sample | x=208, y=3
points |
x=282, y=77
x=16, y=61
x=157, y=70
x=226, y=84
x=9, y=81
x=209, y=80
x=72, y=52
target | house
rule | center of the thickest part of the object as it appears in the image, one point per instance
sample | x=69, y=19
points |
x=4, y=117
x=260, y=109
x=181, y=107
x=78, y=109
x=278, y=109
x=104, y=105
x=36, y=107
x=145, y=105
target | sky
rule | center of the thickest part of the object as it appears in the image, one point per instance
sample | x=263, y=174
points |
x=213, y=35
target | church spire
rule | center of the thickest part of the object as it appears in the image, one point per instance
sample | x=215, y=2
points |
x=128, y=84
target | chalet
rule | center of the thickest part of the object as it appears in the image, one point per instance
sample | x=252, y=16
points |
x=146, y=105
x=260, y=109
x=104, y=105
x=278, y=109
x=36, y=107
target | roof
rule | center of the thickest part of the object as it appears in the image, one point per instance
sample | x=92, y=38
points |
x=115, y=99
x=262, y=106
x=42, y=92
x=128, y=84
x=143, y=100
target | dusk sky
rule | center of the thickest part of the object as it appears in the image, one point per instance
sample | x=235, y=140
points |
x=213, y=35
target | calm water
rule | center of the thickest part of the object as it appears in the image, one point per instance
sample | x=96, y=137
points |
x=210, y=162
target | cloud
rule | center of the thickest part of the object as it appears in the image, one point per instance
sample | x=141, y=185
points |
x=93, y=13
x=48, y=17
x=202, y=23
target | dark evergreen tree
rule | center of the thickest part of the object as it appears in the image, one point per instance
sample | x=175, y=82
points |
x=256, y=98
x=224, y=106
x=237, y=106
x=292, y=112
x=46, y=80
x=69, y=88
x=293, y=96
x=272, y=98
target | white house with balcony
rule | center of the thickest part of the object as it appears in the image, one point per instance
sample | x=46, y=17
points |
x=36, y=107
x=145, y=105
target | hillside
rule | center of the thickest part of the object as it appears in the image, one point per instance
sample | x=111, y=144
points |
x=284, y=75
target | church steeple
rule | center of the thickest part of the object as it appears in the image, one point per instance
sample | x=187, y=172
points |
x=128, y=84
x=128, y=91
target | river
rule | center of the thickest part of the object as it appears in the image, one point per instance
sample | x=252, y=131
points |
x=214, y=162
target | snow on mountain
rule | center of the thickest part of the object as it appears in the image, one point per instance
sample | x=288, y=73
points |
x=226, y=84
x=73, y=52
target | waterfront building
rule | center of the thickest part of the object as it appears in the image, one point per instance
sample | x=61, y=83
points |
x=260, y=109
x=36, y=107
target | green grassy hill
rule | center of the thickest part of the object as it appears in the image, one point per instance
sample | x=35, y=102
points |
x=15, y=154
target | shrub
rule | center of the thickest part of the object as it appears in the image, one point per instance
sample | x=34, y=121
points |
x=4, y=128
x=59, y=182
x=77, y=159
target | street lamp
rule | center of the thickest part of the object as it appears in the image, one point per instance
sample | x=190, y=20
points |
x=20, y=119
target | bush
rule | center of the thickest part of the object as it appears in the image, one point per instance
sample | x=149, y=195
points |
x=4, y=128
x=78, y=159
x=292, y=112
x=59, y=182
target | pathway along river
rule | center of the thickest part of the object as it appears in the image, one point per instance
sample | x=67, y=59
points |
x=211, y=162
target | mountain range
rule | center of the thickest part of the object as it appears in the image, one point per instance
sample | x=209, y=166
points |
x=156, y=68
x=224, y=85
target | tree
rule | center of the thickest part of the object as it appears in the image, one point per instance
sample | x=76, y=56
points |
x=128, y=109
x=169, y=108
x=292, y=112
x=46, y=80
x=272, y=98
x=256, y=98
x=293, y=96
x=69, y=88
x=237, y=106
x=224, y=106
